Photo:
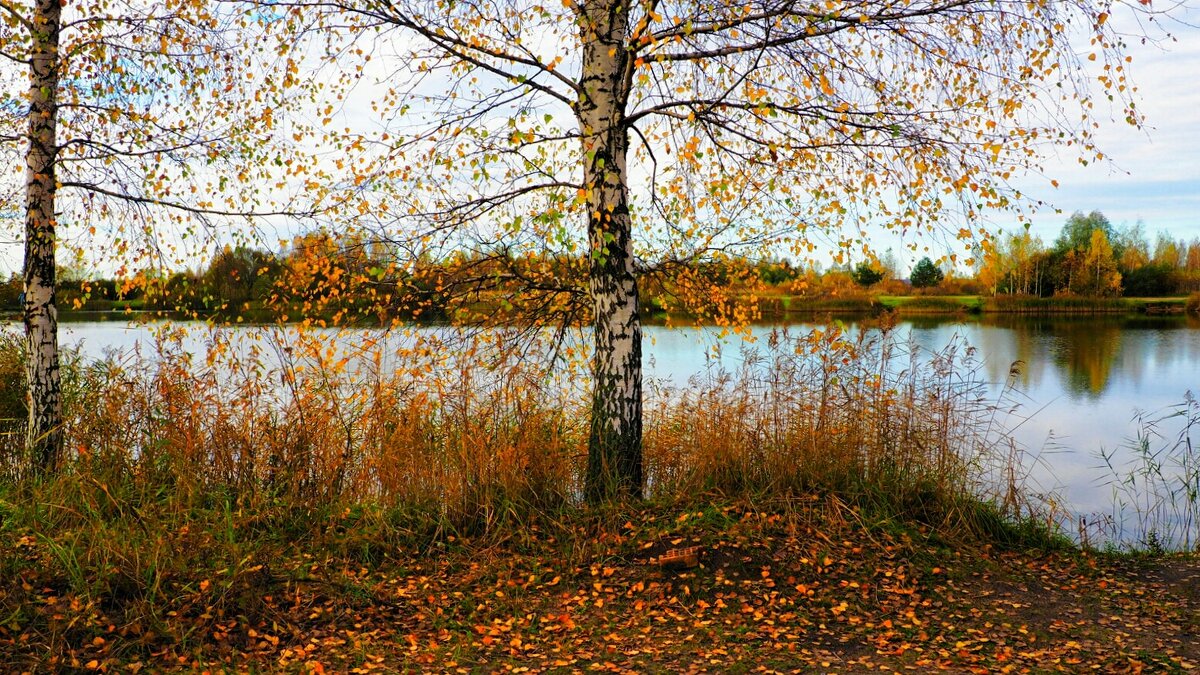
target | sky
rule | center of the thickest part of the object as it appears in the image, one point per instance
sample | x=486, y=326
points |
x=1154, y=176
x=1154, y=173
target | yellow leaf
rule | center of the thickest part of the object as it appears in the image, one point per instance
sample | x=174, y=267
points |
x=826, y=88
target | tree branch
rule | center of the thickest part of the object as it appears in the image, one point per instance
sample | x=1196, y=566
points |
x=179, y=206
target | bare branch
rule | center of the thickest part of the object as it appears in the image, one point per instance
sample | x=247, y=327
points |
x=179, y=206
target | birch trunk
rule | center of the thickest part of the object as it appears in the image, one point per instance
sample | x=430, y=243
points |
x=615, y=441
x=43, y=439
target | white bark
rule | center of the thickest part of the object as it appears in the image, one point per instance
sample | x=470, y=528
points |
x=615, y=442
x=44, y=431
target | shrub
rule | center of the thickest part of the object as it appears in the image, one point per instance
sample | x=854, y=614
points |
x=865, y=275
x=962, y=286
x=894, y=287
x=1192, y=305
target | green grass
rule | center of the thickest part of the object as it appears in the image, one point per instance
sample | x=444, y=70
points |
x=931, y=304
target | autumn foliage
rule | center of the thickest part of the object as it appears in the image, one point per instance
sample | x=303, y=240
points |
x=345, y=514
x=519, y=170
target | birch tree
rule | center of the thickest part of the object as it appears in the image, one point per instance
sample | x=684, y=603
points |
x=139, y=118
x=655, y=133
x=1102, y=277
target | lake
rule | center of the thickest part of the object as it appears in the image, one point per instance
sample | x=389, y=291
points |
x=1081, y=382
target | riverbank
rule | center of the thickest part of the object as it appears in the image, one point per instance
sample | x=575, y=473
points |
x=839, y=510
x=803, y=583
x=782, y=307
x=769, y=308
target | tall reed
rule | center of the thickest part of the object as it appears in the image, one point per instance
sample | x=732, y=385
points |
x=461, y=442
x=1026, y=304
x=1156, y=493
x=864, y=415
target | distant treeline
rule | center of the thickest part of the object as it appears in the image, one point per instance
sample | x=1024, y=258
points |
x=1092, y=258
x=347, y=278
x=326, y=277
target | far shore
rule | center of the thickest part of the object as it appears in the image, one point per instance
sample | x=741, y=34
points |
x=770, y=308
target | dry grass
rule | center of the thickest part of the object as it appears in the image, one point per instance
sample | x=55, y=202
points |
x=1023, y=304
x=190, y=479
x=469, y=443
x=1192, y=304
x=862, y=416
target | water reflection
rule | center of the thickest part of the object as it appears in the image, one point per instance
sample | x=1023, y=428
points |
x=1088, y=355
x=1081, y=385
x=1080, y=357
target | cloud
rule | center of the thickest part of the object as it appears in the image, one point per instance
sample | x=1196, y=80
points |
x=1154, y=172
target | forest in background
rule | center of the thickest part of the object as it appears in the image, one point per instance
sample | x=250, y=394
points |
x=349, y=278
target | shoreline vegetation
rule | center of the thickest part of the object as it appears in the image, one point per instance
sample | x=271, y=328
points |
x=782, y=307
x=765, y=308
x=840, y=509
x=842, y=502
x=1093, y=267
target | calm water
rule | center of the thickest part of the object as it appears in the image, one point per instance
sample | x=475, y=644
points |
x=1081, y=381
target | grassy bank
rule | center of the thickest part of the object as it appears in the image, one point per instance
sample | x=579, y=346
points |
x=933, y=304
x=418, y=513
x=1032, y=305
x=777, y=307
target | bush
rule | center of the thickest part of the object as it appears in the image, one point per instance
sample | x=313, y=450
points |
x=894, y=287
x=865, y=275
x=1148, y=281
x=1192, y=305
x=962, y=286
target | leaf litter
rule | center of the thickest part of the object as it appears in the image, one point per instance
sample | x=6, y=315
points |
x=803, y=588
